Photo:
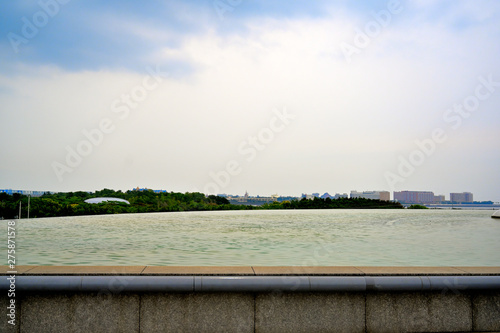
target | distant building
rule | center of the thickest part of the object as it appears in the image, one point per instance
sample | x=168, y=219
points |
x=100, y=200
x=439, y=198
x=286, y=198
x=148, y=189
x=461, y=197
x=23, y=192
x=385, y=195
x=249, y=200
x=414, y=196
x=324, y=196
x=375, y=195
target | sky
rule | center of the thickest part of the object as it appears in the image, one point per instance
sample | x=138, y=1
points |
x=228, y=96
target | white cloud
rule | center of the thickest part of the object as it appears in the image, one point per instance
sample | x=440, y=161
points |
x=353, y=120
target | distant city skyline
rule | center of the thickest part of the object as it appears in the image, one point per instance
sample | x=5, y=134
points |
x=265, y=97
x=402, y=196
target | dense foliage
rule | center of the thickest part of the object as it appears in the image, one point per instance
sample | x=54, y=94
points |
x=72, y=203
x=415, y=206
x=319, y=203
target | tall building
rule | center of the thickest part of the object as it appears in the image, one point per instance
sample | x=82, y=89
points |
x=385, y=195
x=439, y=198
x=310, y=196
x=376, y=195
x=461, y=197
x=414, y=196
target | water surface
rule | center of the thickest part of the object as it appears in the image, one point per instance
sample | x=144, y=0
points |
x=294, y=237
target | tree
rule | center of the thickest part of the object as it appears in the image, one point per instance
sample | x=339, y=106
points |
x=417, y=207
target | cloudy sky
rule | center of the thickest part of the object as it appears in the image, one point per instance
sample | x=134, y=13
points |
x=229, y=96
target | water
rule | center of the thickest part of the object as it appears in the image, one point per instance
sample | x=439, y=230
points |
x=231, y=238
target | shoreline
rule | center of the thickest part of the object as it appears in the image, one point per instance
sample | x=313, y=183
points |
x=261, y=209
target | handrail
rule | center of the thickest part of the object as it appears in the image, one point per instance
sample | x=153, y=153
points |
x=115, y=284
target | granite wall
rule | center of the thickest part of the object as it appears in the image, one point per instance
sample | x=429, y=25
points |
x=447, y=311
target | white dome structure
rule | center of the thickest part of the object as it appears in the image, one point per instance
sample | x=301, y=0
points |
x=99, y=200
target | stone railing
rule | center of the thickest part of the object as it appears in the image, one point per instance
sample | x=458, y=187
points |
x=250, y=299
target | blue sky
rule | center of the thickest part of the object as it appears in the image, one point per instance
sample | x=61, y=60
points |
x=120, y=34
x=356, y=115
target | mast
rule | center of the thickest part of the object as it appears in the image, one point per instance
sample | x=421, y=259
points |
x=29, y=196
x=19, y=210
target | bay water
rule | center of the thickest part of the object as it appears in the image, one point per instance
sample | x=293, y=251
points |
x=263, y=237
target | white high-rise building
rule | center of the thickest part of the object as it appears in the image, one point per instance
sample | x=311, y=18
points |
x=461, y=197
x=376, y=195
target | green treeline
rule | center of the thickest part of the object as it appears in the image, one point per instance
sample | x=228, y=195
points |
x=72, y=203
x=318, y=203
x=417, y=207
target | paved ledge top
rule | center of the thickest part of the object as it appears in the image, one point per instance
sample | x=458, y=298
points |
x=249, y=270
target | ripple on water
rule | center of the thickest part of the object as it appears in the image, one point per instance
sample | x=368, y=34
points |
x=335, y=237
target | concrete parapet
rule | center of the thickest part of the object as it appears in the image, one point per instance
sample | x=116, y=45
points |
x=418, y=312
x=258, y=312
x=205, y=312
x=486, y=312
x=310, y=312
x=4, y=323
x=93, y=312
x=247, y=300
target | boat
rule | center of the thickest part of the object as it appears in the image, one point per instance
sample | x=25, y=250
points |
x=496, y=215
